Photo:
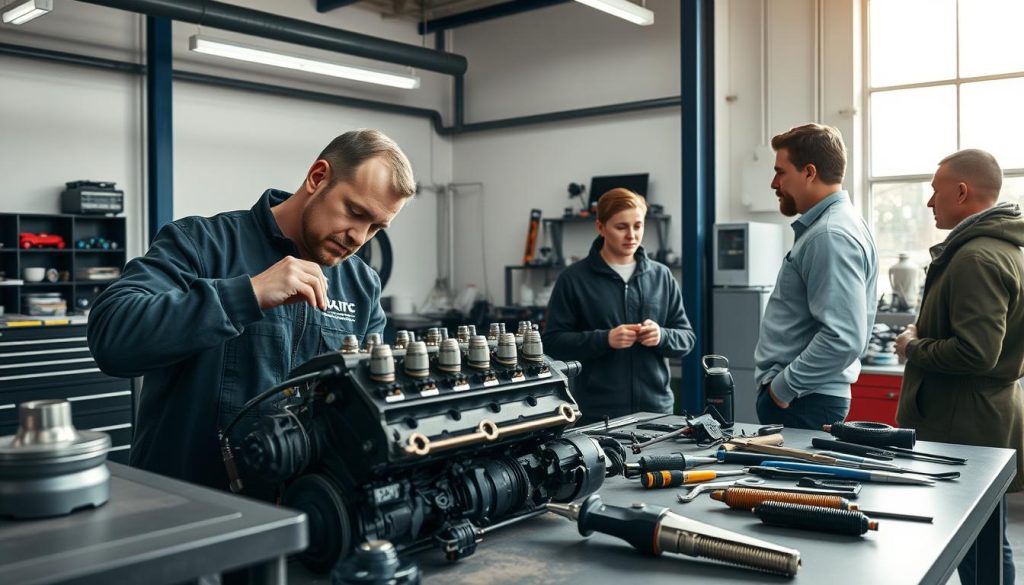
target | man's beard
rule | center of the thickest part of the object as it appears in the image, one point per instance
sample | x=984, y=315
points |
x=316, y=250
x=787, y=205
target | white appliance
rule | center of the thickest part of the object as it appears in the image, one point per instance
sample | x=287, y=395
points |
x=747, y=254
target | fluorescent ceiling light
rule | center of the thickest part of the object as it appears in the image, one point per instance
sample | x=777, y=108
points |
x=623, y=9
x=23, y=11
x=233, y=50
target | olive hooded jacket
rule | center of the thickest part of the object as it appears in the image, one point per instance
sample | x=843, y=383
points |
x=961, y=379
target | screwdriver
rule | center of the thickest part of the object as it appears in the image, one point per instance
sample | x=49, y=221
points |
x=655, y=529
x=674, y=478
x=849, y=472
x=675, y=461
x=865, y=463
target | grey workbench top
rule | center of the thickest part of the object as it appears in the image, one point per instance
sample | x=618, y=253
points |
x=153, y=530
x=550, y=550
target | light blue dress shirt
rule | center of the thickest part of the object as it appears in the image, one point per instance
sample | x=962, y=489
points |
x=819, y=317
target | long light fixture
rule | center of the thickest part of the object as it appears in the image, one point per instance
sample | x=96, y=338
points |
x=22, y=11
x=623, y=9
x=232, y=50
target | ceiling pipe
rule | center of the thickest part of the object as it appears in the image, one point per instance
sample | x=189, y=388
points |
x=292, y=30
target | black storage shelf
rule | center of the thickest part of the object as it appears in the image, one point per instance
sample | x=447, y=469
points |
x=70, y=259
x=554, y=227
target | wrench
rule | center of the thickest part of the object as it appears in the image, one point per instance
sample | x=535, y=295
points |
x=703, y=487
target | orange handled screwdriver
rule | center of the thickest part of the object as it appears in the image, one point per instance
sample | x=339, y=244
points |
x=666, y=479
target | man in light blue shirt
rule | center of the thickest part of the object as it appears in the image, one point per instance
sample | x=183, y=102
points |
x=819, y=317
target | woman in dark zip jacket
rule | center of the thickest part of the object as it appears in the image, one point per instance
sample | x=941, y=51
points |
x=620, y=314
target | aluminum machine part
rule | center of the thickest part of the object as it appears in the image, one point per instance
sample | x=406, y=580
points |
x=479, y=353
x=449, y=357
x=371, y=340
x=533, y=348
x=417, y=362
x=48, y=468
x=506, y=352
x=401, y=339
x=350, y=344
x=382, y=364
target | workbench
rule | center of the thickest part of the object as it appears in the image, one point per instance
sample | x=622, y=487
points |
x=152, y=531
x=549, y=549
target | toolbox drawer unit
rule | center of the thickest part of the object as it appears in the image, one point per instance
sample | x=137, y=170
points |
x=52, y=362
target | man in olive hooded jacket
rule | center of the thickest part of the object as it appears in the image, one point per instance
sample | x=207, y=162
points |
x=966, y=353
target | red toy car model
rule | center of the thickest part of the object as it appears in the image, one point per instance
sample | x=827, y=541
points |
x=41, y=240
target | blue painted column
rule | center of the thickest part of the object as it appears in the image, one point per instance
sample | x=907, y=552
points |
x=698, y=185
x=159, y=129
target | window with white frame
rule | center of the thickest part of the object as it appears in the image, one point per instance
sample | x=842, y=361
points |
x=942, y=75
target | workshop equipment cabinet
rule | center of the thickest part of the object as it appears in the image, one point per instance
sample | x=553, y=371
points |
x=874, y=398
x=50, y=362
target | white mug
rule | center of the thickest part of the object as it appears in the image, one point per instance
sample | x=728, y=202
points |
x=33, y=274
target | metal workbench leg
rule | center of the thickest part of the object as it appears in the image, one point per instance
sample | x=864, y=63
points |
x=272, y=572
x=990, y=548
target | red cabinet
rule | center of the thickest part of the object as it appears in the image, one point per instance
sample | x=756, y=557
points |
x=874, y=398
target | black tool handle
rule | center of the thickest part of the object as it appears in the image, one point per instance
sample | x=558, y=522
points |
x=637, y=525
x=852, y=448
x=673, y=462
x=663, y=479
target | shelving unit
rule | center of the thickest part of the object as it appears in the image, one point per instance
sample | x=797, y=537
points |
x=67, y=261
x=555, y=228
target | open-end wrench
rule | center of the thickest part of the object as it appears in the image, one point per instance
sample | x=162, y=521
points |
x=703, y=487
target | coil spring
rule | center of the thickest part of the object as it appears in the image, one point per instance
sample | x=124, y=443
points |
x=746, y=555
x=849, y=522
x=748, y=498
x=874, y=434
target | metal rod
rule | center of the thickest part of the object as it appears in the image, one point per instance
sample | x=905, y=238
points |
x=292, y=30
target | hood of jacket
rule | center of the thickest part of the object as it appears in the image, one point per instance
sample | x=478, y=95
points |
x=1002, y=221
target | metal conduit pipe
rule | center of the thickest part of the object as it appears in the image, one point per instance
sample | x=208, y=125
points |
x=329, y=98
x=292, y=30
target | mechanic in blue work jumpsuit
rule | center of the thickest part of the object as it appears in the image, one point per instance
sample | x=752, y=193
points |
x=221, y=308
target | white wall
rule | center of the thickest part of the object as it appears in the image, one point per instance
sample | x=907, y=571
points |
x=59, y=123
x=560, y=58
x=809, y=63
x=230, y=145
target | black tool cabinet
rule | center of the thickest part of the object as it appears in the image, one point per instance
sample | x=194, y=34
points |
x=53, y=361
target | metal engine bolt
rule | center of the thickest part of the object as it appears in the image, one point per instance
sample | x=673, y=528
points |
x=479, y=353
x=350, y=344
x=371, y=340
x=533, y=347
x=382, y=363
x=401, y=339
x=462, y=334
x=417, y=364
x=506, y=353
x=433, y=336
x=449, y=358
x=493, y=331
